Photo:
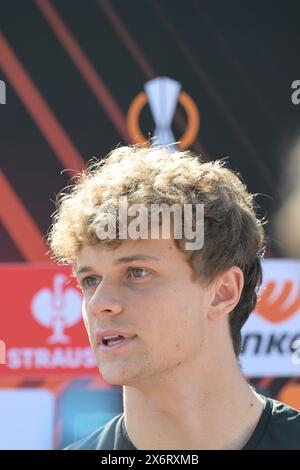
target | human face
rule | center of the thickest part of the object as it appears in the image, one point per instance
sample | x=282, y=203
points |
x=154, y=299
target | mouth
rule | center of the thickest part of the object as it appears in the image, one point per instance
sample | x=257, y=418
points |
x=112, y=340
x=109, y=342
x=116, y=342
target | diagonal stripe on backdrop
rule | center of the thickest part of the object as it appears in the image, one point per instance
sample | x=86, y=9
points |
x=127, y=39
x=20, y=225
x=84, y=66
x=39, y=110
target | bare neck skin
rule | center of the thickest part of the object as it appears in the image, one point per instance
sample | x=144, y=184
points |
x=206, y=405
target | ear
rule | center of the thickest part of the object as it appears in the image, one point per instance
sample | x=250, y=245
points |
x=227, y=293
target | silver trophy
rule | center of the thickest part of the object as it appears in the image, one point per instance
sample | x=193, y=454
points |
x=162, y=93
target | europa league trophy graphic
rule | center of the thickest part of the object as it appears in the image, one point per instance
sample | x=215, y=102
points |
x=162, y=93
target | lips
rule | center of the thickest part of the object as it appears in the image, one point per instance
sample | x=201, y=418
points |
x=100, y=335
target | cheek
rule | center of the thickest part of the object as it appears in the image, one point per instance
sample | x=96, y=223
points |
x=88, y=321
x=187, y=317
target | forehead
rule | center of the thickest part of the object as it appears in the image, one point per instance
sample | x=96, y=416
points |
x=156, y=251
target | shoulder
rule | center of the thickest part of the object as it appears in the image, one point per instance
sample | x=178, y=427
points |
x=283, y=429
x=103, y=438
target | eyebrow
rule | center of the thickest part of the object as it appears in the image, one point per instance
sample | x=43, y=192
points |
x=124, y=259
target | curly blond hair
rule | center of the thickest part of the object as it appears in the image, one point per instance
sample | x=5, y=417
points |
x=232, y=232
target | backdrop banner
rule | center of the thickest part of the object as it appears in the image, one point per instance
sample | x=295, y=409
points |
x=41, y=323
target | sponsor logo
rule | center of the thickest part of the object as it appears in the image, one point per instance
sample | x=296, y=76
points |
x=43, y=326
x=57, y=309
x=163, y=94
x=271, y=336
x=277, y=302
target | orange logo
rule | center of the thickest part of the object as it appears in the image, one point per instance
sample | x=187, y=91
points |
x=162, y=95
x=280, y=308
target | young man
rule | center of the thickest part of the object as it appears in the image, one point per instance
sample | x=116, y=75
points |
x=173, y=313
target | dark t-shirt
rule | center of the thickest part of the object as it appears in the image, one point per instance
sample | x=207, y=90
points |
x=278, y=428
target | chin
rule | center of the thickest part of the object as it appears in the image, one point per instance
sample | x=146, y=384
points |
x=113, y=383
x=118, y=379
x=112, y=377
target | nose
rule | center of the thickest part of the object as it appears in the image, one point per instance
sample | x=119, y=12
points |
x=105, y=300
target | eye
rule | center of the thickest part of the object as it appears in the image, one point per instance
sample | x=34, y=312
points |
x=137, y=273
x=89, y=282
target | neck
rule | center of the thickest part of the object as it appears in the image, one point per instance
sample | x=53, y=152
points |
x=185, y=409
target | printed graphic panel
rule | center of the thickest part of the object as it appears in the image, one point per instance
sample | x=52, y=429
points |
x=41, y=322
x=271, y=336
